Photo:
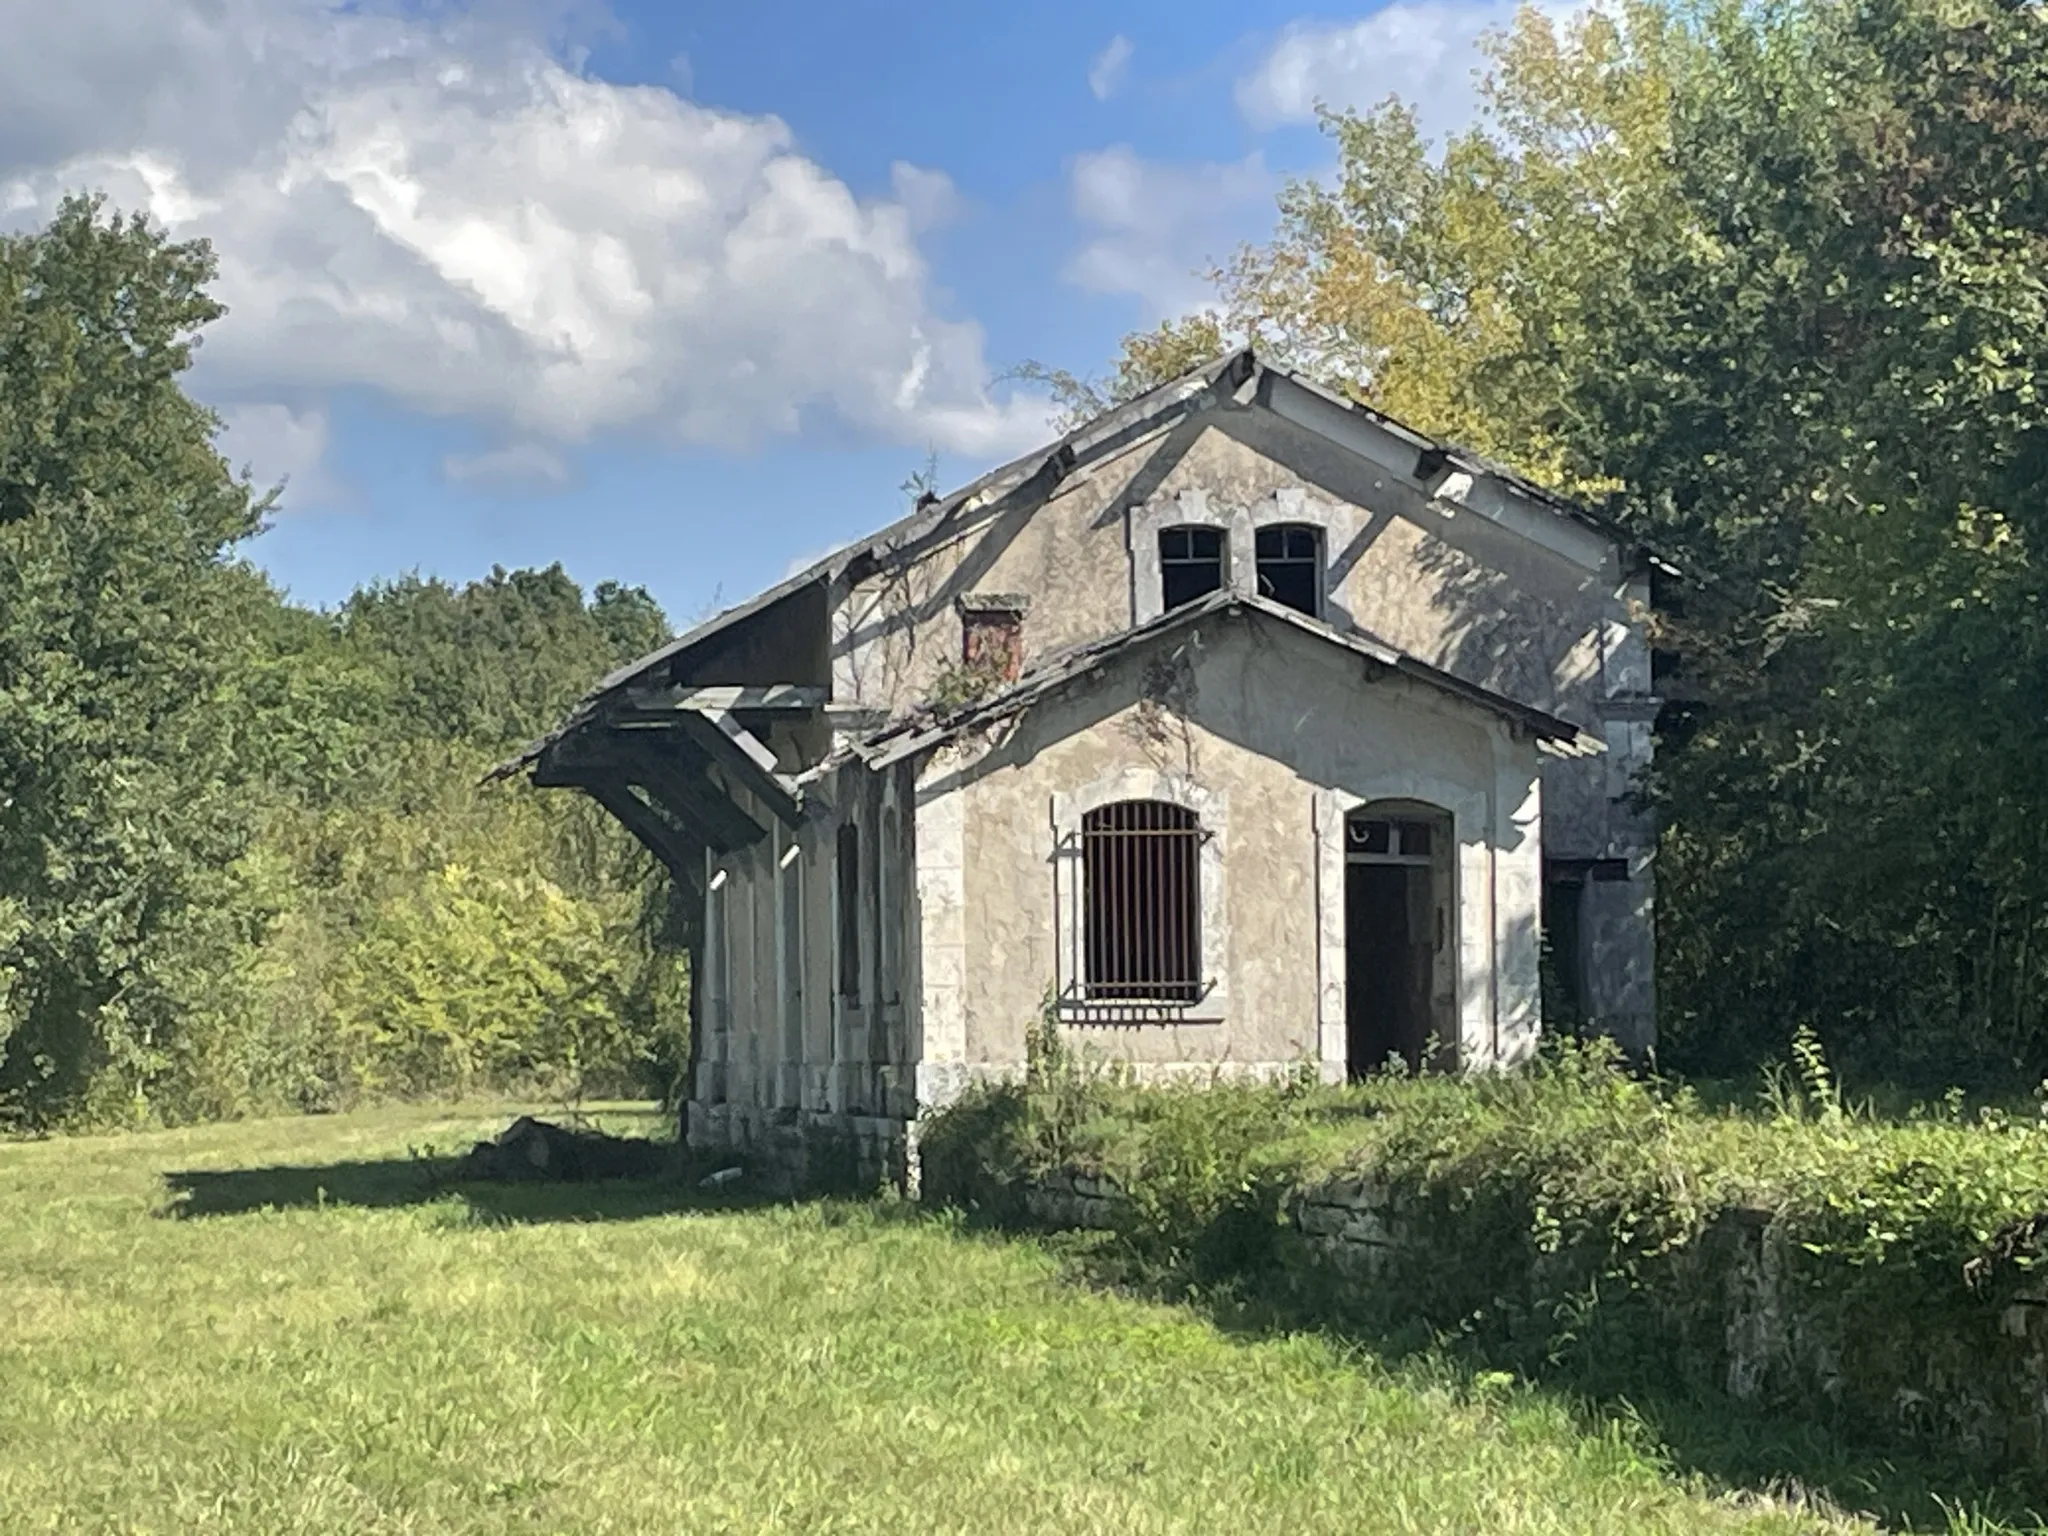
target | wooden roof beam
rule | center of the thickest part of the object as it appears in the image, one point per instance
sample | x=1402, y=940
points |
x=674, y=780
x=741, y=753
x=774, y=696
x=680, y=855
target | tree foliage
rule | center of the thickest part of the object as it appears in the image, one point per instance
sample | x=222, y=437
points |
x=1768, y=281
x=244, y=861
x=119, y=822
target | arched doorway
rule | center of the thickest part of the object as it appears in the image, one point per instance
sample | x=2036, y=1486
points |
x=1399, y=970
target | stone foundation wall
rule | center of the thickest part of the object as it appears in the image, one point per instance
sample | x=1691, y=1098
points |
x=788, y=1150
x=1075, y=1200
x=1739, y=1310
x=1351, y=1222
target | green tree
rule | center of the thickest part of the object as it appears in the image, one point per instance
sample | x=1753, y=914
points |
x=245, y=860
x=119, y=826
x=1769, y=281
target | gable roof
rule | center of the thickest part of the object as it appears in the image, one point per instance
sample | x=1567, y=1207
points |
x=908, y=737
x=1437, y=463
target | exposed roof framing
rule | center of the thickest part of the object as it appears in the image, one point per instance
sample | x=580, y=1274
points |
x=1450, y=475
x=778, y=697
x=671, y=767
x=678, y=852
x=740, y=753
x=909, y=738
x=1239, y=376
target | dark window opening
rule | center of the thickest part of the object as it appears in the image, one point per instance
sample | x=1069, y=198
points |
x=1396, y=840
x=1190, y=564
x=889, y=914
x=1563, y=954
x=992, y=635
x=1141, y=863
x=1290, y=559
x=849, y=911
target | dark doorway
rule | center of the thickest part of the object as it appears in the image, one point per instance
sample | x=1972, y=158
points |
x=1396, y=890
x=1387, y=968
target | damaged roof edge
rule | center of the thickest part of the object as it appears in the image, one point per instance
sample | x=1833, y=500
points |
x=908, y=738
x=1100, y=434
x=1083, y=441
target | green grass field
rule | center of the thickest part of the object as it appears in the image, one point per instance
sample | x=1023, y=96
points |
x=281, y=1326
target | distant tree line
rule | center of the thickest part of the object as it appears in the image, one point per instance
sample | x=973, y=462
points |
x=245, y=862
x=1771, y=283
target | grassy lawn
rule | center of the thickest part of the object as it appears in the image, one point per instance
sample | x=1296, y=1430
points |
x=189, y=1344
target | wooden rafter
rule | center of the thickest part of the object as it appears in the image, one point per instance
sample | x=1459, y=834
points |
x=669, y=768
x=737, y=750
x=774, y=696
x=681, y=856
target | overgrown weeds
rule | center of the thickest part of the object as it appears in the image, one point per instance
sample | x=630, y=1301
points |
x=1577, y=1219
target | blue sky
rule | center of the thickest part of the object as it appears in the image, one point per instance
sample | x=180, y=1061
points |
x=674, y=294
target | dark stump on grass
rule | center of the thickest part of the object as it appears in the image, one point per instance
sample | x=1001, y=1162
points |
x=533, y=1151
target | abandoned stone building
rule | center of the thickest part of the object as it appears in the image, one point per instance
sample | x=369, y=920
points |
x=1242, y=728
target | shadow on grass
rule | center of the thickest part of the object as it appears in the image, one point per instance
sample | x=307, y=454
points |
x=1777, y=1458
x=1781, y=1459
x=415, y=1181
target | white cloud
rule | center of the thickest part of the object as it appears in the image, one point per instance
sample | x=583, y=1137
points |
x=1106, y=73
x=1155, y=227
x=432, y=205
x=1424, y=51
x=928, y=196
x=525, y=466
x=279, y=445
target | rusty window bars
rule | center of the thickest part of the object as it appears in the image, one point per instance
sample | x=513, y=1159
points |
x=1141, y=905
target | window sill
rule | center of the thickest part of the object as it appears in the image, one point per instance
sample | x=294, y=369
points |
x=1137, y=1016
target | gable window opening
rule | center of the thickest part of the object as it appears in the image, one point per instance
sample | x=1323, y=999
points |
x=992, y=636
x=848, y=872
x=1142, y=904
x=1290, y=566
x=1191, y=564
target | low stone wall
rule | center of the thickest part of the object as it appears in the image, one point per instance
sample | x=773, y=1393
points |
x=1738, y=1310
x=1349, y=1221
x=788, y=1150
x=1078, y=1201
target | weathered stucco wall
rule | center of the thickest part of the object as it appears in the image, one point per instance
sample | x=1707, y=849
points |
x=1283, y=738
x=1272, y=735
x=790, y=1061
x=1532, y=604
x=1555, y=624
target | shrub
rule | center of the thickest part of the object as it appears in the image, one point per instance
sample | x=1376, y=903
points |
x=1575, y=1215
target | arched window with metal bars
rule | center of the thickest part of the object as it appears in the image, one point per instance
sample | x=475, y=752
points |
x=1142, y=905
